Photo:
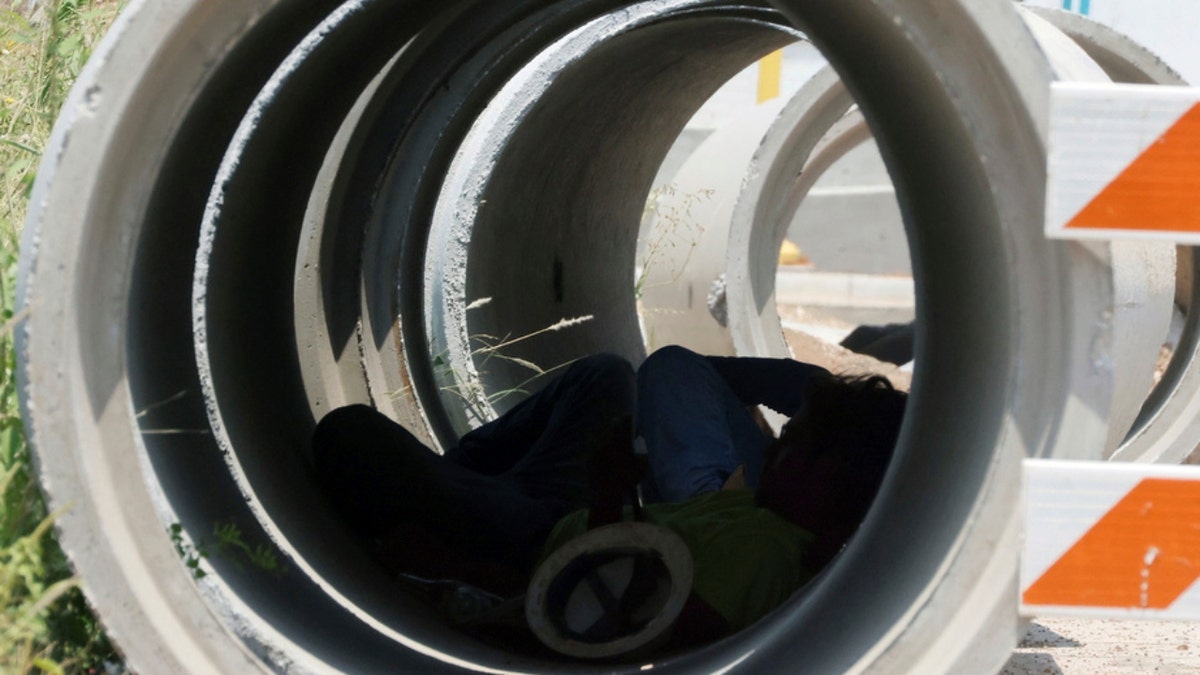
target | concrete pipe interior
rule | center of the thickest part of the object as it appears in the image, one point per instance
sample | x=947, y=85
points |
x=835, y=201
x=812, y=136
x=311, y=198
x=849, y=223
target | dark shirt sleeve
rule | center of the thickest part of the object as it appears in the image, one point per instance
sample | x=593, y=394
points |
x=778, y=384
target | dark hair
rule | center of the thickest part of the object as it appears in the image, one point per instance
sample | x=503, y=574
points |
x=848, y=427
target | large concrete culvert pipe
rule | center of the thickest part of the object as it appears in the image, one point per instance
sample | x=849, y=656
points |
x=784, y=152
x=238, y=225
x=815, y=129
x=1167, y=428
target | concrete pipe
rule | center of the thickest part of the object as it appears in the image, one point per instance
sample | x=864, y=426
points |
x=691, y=223
x=685, y=234
x=592, y=187
x=1168, y=427
x=804, y=143
x=250, y=212
x=703, y=245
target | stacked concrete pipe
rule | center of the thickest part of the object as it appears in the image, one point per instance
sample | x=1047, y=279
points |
x=251, y=212
x=755, y=200
x=1167, y=428
x=685, y=236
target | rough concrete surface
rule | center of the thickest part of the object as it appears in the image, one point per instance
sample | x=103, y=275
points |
x=1102, y=646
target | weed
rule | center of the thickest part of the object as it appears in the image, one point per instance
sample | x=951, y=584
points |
x=227, y=543
x=671, y=226
x=231, y=543
x=45, y=624
x=484, y=349
x=190, y=554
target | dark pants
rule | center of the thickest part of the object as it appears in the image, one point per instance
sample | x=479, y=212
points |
x=497, y=494
x=693, y=417
x=696, y=430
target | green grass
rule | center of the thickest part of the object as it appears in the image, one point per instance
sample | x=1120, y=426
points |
x=46, y=625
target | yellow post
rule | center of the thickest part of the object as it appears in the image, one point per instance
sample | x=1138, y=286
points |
x=770, y=70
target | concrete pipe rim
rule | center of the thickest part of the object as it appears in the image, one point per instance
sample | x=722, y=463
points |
x=84, y=398
x=810, y=133
x=454, y=301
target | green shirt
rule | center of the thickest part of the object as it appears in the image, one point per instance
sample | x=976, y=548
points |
x=747, y=560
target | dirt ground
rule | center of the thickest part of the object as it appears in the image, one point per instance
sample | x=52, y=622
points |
x=812, y=349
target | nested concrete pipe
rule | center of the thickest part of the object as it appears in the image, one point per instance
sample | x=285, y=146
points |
x=421, y=156
x=533, y=233
x=770, y=195
x=1143, y=272
x=685, y=235
x=816, y=128
x=1168, y=427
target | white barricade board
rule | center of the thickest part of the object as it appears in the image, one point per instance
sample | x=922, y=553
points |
x=1123, y=162
x=1111, y=539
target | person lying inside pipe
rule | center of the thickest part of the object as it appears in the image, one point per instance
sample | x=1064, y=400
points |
x=760, y=516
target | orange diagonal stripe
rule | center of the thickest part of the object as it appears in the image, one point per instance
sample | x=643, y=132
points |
x=1160, y=190
x=1143, y=553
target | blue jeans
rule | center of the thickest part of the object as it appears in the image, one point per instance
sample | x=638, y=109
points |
x=692, y=416
x=499, y=492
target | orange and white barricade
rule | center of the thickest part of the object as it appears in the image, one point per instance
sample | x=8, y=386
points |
x=1124, y=162
x=1116, y=539
x=1111, y=539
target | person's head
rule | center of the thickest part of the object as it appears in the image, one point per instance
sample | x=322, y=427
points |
x=824, y=470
